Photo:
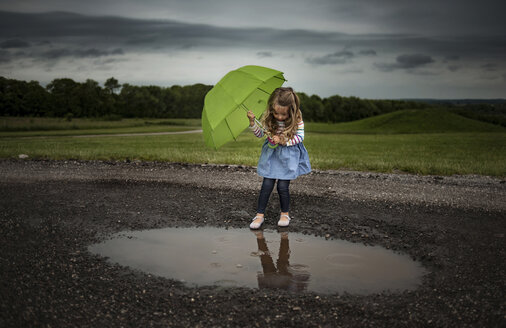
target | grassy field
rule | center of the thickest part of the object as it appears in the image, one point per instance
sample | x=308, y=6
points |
x=409, y=122
x=472, y=149
x=37, y=126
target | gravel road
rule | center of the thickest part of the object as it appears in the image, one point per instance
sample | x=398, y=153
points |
x=52, y=211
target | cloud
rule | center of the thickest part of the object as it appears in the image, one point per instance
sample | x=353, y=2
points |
x=78, y=53
x=367, y=52
x=69, y=30
x=451, y=58
x=410, y=61
x=5, y=56
x=454, y=68
x=264, y=54
x=490, y=67
x=432, y=17
x=14, y=43
x=340, y=57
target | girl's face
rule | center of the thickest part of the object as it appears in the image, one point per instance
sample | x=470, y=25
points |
x=280, y=113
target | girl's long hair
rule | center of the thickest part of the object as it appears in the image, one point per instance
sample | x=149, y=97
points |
x=284, y=97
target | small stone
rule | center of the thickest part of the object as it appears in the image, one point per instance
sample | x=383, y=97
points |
x=296, y=308
x=238, y=265
x=327, y=236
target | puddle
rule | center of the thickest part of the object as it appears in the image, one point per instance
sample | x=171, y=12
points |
x=268, y=259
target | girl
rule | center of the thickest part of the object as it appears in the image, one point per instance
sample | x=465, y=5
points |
x=283, y=156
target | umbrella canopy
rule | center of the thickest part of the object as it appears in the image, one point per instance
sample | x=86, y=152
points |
x=225, y=105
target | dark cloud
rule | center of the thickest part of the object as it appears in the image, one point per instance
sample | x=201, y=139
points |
x=58, y=35
x=83, y=53
x=14, y=43
x=452, y=58
x=52, y=54
x=410, y=61
x=77, y=53
x=5, y=56
x=143, y=35
x=367, y=52
x=490, y=67
x=429, y=17
x=454, y=68
x=340, y=57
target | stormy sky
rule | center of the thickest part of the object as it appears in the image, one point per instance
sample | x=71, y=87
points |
x=364, y=48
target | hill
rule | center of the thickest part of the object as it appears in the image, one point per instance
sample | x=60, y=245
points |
x=409, y=121
x=458, y=101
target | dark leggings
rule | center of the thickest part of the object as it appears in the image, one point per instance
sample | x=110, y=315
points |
x=265, y=193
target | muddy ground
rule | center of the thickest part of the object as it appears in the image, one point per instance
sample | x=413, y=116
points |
x=52, y=210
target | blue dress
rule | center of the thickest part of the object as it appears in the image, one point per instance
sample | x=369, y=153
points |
x=283, y=162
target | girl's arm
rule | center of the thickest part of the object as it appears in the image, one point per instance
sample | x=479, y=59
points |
x=299, y=135
x=253, y=125
x=257, y=131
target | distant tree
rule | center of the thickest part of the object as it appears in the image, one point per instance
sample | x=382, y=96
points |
x=90, y=99
x=63, y=97
x=20, y=98
x=111, y=85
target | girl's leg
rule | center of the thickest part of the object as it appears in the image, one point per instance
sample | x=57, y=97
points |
x=284, y=199
x=284, y=195
x=265, y=193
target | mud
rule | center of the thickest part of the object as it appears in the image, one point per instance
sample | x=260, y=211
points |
x=53, y=210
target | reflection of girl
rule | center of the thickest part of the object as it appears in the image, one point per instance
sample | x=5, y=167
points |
x=283, y=157
x=279, y=276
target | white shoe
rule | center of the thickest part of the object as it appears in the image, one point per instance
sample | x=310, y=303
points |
x=256, y=225
x=284, y=223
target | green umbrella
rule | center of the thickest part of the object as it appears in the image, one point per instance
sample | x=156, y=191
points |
x=226, y=104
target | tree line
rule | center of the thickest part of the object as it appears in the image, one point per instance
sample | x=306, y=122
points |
x=65, y=97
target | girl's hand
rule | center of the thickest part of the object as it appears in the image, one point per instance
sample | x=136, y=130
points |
x=279, y=139
x=251, y=118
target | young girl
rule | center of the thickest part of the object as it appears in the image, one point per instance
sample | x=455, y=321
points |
x=283, y=156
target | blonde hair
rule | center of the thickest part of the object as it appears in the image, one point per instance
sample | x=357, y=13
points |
x=284, y=97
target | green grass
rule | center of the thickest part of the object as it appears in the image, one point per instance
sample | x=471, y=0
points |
x=409, y=121
x=36, y=126
x=445, y=154
x=460, y=151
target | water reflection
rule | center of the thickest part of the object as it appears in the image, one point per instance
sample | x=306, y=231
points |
x=281, y=275
x=268, y=259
